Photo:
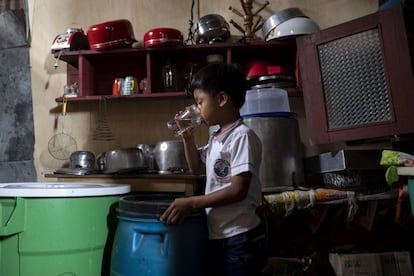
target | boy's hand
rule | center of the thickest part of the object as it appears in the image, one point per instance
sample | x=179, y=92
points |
x=178, y=211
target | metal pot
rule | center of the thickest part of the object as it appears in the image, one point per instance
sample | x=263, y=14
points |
x=281, y=168
x=212, y=28
x=170, y=157
x=82, y=160
x=148, y=150
x=124, y=160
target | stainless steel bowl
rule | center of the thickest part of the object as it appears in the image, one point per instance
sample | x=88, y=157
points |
x=278, y=18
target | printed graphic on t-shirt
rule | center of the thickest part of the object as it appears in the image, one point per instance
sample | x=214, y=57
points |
x=221, y=168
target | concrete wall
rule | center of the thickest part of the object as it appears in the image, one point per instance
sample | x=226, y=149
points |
x=16, y=112
x=129, y=121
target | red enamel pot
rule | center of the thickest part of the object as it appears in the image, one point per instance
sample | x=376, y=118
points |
x=163, y=37
x=111, y=34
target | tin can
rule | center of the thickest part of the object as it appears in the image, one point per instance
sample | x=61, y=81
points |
x=117, y=86
x=130, y=86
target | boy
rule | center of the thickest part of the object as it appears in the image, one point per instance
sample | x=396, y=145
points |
x=231, y=161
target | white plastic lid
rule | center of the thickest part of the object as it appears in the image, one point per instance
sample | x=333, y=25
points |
x=61, y=189
x=265, y=100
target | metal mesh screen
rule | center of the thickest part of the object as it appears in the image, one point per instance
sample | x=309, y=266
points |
x=353, y=80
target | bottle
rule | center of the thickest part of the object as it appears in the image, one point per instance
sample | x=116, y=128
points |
x=168, y=76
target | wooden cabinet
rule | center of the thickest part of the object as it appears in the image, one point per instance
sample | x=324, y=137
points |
x=357, y=77
x=95, y=71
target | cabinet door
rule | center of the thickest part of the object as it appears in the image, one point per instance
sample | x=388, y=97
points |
x=357, y=79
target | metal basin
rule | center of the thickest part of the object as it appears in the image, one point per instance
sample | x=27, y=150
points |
x=124, y=160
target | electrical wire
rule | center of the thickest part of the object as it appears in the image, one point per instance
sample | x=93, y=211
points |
x=190, y=38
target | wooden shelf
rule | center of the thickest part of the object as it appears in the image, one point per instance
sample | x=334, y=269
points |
x=159, y=95
x=94, y=71
x=188, y=184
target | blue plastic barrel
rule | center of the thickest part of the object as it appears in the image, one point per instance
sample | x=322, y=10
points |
x=143, y=245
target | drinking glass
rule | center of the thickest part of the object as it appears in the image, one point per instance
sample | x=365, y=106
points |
x=187, y=119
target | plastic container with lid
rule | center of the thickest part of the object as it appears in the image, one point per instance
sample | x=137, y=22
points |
x=57, y=228
x=144, y=245
x=265, y=100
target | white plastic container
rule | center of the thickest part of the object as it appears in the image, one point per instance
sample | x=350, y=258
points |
x=265, y=100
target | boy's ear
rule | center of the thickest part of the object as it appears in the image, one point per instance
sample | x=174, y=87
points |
x=222, y=98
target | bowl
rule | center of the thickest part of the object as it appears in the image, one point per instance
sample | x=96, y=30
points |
x=255, y=68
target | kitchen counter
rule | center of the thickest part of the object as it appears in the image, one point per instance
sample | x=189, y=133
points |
x=188, y=184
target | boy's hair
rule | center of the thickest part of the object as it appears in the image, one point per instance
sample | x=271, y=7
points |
x=217, y=77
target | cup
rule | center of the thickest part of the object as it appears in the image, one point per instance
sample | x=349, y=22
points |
x=117, y=86
x=129, y=86
x=185, y=120
x=70, y=90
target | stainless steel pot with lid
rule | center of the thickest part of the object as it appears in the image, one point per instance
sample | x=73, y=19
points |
x=82, y=160
x=212, y=28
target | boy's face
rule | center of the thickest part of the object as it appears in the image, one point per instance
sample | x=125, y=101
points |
x=208, y=106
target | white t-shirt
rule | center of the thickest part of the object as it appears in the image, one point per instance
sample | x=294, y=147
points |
x=236, y=150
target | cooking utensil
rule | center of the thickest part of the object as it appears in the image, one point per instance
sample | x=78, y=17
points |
x=82, y=160
x=124, y=160
x=103, y=132
x=278, y=18
x=148, y=151
x=61, y=145
x=163, y=37
x=111, y=34
x=170, y=157
x=78, y=171
x=293, y=27
x=281, y=168
x=212, y=28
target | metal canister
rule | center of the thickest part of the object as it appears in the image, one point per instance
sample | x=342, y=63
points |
x=117, y=86
x=130, y=86
x=281, y=168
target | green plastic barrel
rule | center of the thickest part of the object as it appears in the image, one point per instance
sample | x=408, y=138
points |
x=51, y=229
